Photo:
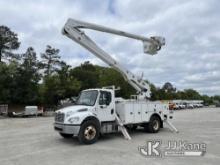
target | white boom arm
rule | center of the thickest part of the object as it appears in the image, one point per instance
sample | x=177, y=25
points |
x=72, y=29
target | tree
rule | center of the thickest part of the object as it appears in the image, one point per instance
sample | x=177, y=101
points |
x=25, y=89
x=4, y=82
x=61, y=85
x=68, y=83
x=217, y=98
x=7, y=73
x=191, y=94
x=50, y=91
x=109, y=76
x=168, y=87
x=8, y=41
x=167, y=92
x=87, y=75
x=154, y=92
x=50, y=60
x=91, y=76
x=207, y=100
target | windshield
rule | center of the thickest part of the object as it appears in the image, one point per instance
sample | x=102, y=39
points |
x=87, y=98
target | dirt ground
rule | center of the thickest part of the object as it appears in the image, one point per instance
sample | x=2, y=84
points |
x=25, y=141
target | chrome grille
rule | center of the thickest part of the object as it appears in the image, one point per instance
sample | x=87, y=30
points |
x=59, y=117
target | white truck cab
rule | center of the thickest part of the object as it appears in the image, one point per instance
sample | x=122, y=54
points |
x=96, y=110
x=95, y=105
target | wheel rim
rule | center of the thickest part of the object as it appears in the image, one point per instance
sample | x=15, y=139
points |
x=156, y=124
x=90, y=132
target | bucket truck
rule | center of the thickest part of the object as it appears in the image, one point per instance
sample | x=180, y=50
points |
x=98, y=111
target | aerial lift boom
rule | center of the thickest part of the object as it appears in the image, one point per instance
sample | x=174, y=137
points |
x=72, y=29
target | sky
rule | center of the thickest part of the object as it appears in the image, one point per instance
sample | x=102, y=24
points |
x=190, y=58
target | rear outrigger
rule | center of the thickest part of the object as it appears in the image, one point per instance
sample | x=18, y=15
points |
x=98, y=111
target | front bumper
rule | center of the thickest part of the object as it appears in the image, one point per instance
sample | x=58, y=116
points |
x=67, y=128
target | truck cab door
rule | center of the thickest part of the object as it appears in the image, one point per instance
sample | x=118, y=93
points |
x=106, y=106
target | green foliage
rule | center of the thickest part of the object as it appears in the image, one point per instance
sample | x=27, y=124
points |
x=8, y=41
x=168, y=87
x=109, y=77
x=154, y=92
x=50, y=91
x=87, y=75
x=207, y=100
x=168, y=93
x=27, y=80
x=50, y=60
x=7, y=73
x=192, y=94
x=91, y=76
x=59, y=86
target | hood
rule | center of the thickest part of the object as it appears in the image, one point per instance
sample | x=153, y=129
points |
x=73, y=108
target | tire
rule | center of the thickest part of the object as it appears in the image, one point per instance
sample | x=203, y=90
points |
x=66, y=135
x=89, y=132
x=154, y=125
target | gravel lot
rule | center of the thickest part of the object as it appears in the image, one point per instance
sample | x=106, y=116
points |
x=32, y=141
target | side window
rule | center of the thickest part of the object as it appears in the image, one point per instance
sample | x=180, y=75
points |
x=105, y=98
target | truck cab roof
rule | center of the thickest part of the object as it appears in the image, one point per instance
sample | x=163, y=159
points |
x=99, y=89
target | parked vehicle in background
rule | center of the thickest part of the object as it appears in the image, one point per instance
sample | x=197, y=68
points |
x=187, y=104
x=182, y=106
x=179, y=106
x=172, y=106
x=190, y=106
x=197, y=105
x=3, y=109
x=28, y=111
x=200, y=105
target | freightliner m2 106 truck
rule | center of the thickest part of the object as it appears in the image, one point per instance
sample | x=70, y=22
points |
x=98, y=111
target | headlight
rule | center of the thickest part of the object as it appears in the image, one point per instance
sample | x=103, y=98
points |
x=73, y=119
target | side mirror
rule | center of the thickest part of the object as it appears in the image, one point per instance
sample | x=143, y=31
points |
x=74, y=99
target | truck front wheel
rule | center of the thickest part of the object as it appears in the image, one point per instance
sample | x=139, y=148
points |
x=154, y=125
x=89, y=132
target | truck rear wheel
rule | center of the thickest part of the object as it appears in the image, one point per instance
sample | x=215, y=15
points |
x=154, y=125
x=66, y=135
x=89, y=132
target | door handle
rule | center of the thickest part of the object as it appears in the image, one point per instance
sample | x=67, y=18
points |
x=112, y=111
x=103, y=106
